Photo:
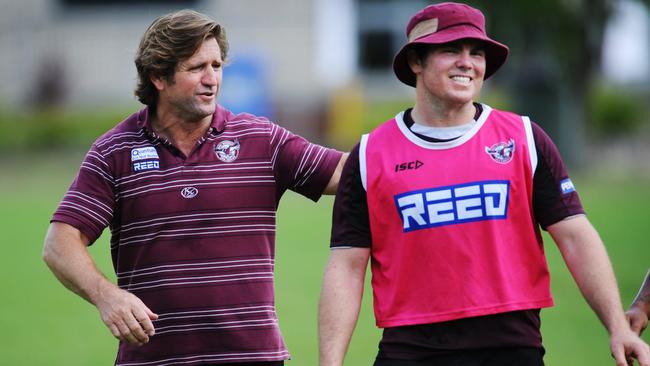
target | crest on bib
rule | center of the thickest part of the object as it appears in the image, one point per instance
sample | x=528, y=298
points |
x=501, y=152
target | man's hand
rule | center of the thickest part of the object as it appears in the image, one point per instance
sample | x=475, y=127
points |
x=127, y=317
x=587, y=260
x=637, y=315
x=626, y=346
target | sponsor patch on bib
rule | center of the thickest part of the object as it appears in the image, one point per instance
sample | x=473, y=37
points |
x=457, y=204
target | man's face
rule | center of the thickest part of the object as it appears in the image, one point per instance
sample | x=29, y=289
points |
x=192, y=93
x=452, y=73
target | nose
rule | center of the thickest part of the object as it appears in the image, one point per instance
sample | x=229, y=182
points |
x=464, y=60
x=211, y=76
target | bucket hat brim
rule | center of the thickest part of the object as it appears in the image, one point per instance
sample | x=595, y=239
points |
x=495, y=53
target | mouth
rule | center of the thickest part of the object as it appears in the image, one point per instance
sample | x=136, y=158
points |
x=206, y=95
x=461, y=79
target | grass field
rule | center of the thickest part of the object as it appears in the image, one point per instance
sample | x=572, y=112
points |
x=44, y=324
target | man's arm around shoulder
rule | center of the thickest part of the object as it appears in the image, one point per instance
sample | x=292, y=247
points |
x=340, y=302
x=587, y=260
x=65, y=252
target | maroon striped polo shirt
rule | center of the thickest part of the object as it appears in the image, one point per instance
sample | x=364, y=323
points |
x=194, y=237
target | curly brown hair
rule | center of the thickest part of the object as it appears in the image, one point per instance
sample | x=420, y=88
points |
x=171, y=39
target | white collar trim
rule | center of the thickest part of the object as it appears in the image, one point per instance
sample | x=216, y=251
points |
x=399, y=119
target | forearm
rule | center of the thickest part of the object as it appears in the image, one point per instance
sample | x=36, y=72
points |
x=125, y=315
x=587, y=260
x=66, y=255
x=586, y=257
x=339, y=307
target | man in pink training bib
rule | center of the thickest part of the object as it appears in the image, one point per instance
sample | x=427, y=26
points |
x=447, y=200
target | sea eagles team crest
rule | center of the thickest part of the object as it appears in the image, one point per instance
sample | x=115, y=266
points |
x=501, y=152
x=227, y=151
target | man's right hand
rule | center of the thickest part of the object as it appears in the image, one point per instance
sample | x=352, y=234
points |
x=127, y=317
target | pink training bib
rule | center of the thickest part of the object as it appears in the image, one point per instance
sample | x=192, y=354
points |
x=452, y=223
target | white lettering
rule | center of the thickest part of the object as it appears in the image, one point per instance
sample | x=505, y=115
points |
x=494, y=192
x=146, y=165
x=469, y=202
x=468, y=208
x=412, y=206
x=441, y=211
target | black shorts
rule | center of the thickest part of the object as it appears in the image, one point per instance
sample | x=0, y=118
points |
x=516, y=356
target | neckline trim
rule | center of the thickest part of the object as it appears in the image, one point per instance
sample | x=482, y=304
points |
x=399, y=120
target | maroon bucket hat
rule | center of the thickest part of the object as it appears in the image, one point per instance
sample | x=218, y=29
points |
x=443, y=23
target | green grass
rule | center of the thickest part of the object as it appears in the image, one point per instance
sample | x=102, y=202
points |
x=45, y=324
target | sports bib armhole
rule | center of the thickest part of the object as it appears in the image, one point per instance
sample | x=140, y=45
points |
x=532, y=148
x=362, y=161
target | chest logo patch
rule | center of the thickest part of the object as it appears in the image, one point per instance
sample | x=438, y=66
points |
x=144, y=153
x=189, y=192
x=145, y=158
x=501, y=152
x=141, y=166
x=227, y=151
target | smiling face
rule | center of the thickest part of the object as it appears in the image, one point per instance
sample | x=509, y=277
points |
x=191, y=93
x=451, y=73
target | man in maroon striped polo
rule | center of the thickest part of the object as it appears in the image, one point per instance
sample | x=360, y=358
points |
x=189, y=191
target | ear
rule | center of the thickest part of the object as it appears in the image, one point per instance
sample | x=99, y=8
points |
x=414, y=61
x=158, y=81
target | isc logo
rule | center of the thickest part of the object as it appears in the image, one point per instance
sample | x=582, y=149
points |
x=409, y=165
x=477, y=201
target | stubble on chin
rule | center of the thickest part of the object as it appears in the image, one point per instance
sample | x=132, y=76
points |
x=192, y=111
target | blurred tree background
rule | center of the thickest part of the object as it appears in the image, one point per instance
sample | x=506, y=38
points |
x=553, y=75
x=555, y=69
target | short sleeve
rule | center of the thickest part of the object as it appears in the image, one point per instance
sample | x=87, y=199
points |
x=300, y=165
x=89, y=203
x=350, y=220
x=554, y=196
